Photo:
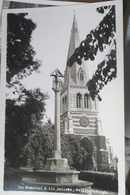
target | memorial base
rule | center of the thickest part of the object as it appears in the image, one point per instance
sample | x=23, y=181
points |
x=54, y=164
x=55, y=181
x=57, y=177
x=79, y=187
x=54, y=176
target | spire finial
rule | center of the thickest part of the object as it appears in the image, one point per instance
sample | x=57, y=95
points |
x=74, y=13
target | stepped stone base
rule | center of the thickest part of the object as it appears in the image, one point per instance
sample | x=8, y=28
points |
x=79, y=187
x=57, y=176
x=55, y=181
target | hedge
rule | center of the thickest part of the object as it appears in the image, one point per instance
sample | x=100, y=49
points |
x=104, y=181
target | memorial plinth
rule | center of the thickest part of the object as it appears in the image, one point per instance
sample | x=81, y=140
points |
x=57, y=172
x=56, y=181
x=54, y=164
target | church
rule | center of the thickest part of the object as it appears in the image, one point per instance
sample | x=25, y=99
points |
x=78, y=112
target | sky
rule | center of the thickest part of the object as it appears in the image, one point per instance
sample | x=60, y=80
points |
x=50, y=40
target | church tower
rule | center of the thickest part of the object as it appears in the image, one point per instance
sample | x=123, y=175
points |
x=79, y=113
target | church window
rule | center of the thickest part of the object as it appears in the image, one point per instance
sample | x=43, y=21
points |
x=78, y=100
x=81, y=75
x=86, y=99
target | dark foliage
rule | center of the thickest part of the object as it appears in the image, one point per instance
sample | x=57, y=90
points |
x=104, y=181
x=106, y=71
x=20, y=53
x=96, y=42
x=20, y=119
x=39, y=146
x=29, y=107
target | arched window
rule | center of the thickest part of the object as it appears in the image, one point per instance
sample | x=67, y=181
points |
x=78, y=100
x=64, y=102
x=86, y=99
x=81, y=75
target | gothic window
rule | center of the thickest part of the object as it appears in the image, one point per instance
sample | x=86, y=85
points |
x=78, y=100
x=81, y=76
x=86, y=99
x=64, y=101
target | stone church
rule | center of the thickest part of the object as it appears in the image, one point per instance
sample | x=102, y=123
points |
x=79, y=113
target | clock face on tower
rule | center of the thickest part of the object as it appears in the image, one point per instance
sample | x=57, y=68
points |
x=84, y=121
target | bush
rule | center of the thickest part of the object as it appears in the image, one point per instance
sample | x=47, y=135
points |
x=78, y=151
x=104, y=181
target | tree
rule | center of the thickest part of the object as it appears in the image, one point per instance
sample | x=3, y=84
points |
x=78, y=151
x=96, y=41
x=39, y=146
x=29, y=106
x=20, y=53
x=20, y=122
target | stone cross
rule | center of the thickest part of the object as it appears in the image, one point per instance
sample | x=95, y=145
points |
x=57, y=88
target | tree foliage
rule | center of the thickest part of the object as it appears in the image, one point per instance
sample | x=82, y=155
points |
x=20, y=53
x=78, y=151
x=96, y=41
x=28, y=108
x=20, y=120
x=106, y=71
x=40, y=146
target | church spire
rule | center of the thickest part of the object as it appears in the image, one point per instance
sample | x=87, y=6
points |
x=72, y=74
x=74, y=38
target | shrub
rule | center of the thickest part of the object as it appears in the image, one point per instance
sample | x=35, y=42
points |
x=104, y=181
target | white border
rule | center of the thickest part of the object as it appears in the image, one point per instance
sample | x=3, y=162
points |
x=120, y=137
